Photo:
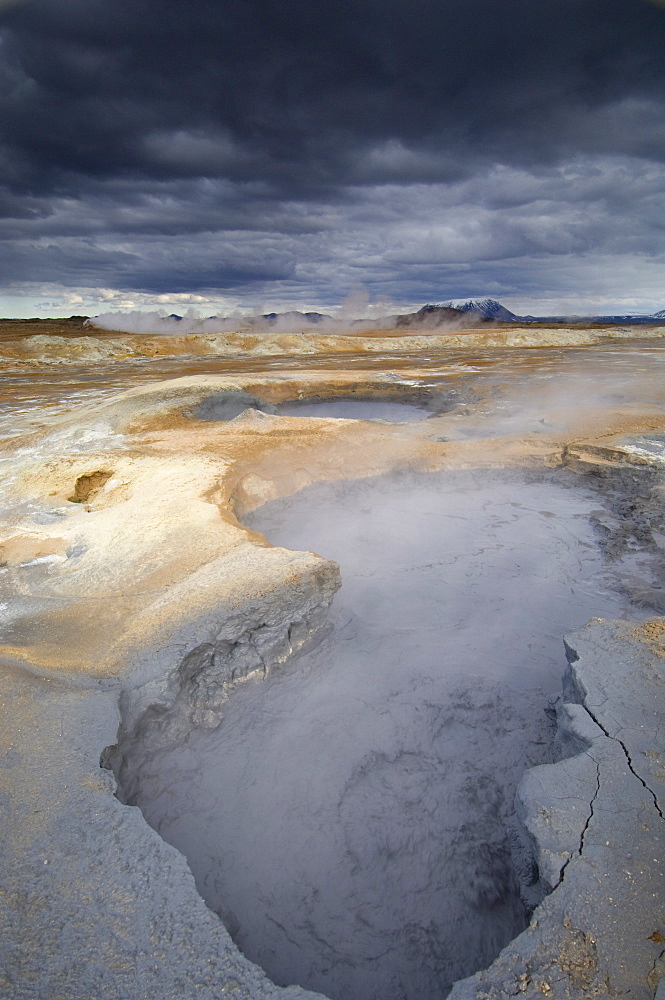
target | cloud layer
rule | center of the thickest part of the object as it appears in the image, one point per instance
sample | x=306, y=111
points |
x=248, y=152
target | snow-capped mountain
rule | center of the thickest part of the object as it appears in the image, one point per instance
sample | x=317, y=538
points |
x=492, y=309
x=484, y=307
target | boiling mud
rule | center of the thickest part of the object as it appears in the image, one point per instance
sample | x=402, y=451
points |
x=355, y=409
x=352, y=819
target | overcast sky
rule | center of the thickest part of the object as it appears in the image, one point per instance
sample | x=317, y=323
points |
x=273, y=154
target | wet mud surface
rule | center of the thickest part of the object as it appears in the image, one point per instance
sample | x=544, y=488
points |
x=355, y=409
x=352, y=817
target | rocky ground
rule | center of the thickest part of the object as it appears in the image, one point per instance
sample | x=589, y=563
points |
x=123, y=551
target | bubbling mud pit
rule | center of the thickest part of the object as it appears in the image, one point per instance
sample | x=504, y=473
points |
x=352, y=817
x=376, y=825
x=225, y=406
x=355, y=409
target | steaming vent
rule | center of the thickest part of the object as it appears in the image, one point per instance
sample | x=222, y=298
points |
x=351, y=818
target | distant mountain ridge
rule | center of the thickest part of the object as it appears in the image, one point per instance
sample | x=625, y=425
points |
x=493, y=309
x=430, y=317
x=490, y=308
x=460, y=314
x=308, y=317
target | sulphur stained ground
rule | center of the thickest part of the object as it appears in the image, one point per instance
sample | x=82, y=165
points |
x=351, y=819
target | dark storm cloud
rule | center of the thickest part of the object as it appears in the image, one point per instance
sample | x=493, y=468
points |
x=158, y=267
x=272, y=89
x=128, y=121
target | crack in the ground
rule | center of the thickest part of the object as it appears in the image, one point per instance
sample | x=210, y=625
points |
x=585, y=827
x=590, y=816
x=628, y=759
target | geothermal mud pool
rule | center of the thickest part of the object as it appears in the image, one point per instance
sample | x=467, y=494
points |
x=355, y=409
x=343, y=792
x=352, y=817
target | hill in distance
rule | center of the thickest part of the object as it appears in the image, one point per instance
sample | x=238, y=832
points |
x=452, y=313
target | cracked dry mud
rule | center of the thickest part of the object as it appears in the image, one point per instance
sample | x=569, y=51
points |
x=147, y=602
x=600, y=848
